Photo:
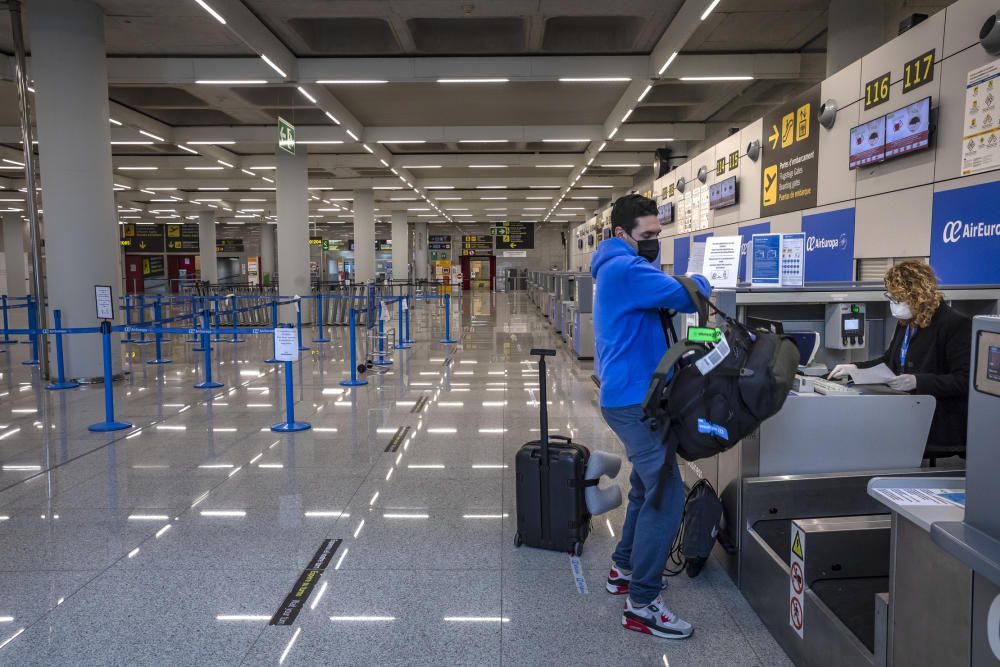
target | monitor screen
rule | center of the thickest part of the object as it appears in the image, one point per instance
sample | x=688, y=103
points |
x=665, y=213
x=908, y=129
x=993, y=364
x=868, y=143
x=722, y=194
x=852, y=324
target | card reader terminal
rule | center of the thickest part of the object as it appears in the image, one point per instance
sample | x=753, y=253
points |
x=845, y=326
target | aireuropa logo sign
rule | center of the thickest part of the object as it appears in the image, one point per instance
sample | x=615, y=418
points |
x=956, y=230
x=814, y=243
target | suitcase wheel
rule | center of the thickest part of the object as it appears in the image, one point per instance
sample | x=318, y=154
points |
x=578, y=549
x=517, y=540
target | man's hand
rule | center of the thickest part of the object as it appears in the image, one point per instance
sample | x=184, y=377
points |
x=704, y=286
x=841, y=371
x=903, y=383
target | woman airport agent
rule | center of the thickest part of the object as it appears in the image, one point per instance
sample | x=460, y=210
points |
x=929, y=353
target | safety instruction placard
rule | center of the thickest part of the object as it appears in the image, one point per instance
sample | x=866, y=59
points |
x=765, y=260
x=793, y=250
x=980, y=135
x=797, y=581
x=722, y=260
x=286, y=344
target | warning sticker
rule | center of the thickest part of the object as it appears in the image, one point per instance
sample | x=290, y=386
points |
x=796, y=582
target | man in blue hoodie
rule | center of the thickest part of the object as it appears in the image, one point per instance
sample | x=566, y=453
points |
x=631, y=289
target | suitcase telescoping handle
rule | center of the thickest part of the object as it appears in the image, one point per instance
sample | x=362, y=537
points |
x=544, y=409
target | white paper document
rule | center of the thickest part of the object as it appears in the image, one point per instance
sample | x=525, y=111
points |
x=880, y=374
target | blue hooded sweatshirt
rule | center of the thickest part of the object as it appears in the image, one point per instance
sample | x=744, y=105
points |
x=628, y=332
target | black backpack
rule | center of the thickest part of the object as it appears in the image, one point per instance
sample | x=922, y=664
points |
x=710, y=412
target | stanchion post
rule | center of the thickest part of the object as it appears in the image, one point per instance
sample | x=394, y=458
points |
x=6, y=327
x=60, y=382
x=406, y=314
x=290, y=425
x=158, y=336
x=381, y=339
x=401, y=343
x=354, y=381
x=206, y=347
x=447, y=320
x=194, y=319
x=298, y=323
x=218, y=322
x=274, y=324
x=32, y=323
x=236, y=331
x=128, y=318
x=109, y=423
x=142, y=320
x=320, y=316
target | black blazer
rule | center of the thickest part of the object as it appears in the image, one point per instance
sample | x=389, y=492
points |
x=939, y=358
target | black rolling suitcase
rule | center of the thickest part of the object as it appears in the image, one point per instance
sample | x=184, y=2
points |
x=551, y=509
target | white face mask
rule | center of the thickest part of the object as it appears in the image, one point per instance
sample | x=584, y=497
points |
x=901, y=311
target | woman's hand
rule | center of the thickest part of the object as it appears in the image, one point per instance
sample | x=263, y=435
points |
x=841, y=371
x=903, y=383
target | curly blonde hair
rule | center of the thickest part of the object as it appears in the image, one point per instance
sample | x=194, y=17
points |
x=915, y=284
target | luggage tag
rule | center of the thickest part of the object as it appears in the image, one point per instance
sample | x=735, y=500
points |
x=705, y=426
x=704, y=334
x=719, y=352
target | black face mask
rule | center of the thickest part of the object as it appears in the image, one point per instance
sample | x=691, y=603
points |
x=649, y=249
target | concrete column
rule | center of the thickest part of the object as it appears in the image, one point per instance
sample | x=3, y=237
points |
x=206, y=245
x=267, y=250
x=292, y=180
x=81, y=223
x=855, y=29
x=14, y=259
x=364, y=236
x=400, y=246
x=420, y=251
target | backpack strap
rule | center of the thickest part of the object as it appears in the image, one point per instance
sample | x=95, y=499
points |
x=650, y=406
x=697, y=298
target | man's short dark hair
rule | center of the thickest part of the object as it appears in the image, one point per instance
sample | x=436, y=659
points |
x=629, y=208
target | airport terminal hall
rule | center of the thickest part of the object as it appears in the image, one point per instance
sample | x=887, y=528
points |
x=500, y=332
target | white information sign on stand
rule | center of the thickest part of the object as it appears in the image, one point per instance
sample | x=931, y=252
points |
x=793, y=254
x=722, y=260
x=105, y=302
x=797, y=581
x=696, y=260
x=981, y=132
x=286, y=344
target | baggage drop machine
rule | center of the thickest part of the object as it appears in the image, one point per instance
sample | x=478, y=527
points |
x=581, y=326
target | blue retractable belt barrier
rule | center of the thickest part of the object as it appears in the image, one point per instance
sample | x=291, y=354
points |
x=206, y=347
x=61, y=382
x=158, y=337
x=322, y=331
x=447, y=340
x=274, y=323
x=290, y=425
x=298, y=324
x=354, y=381
x=109, y=423
x=32, y=324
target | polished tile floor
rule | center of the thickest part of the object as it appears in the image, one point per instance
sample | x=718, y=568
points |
x=177, y=541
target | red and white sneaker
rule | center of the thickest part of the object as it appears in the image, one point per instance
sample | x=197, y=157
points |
x=618, y=580
x=655, y=619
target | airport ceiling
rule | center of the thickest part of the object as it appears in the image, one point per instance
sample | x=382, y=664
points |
x=557, y=118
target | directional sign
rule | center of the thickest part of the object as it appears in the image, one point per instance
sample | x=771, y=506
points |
x=286, y=136
x=229, y=245
x=182, y=238
x=142, y=238
x=517, y=236
x=790, y=159
x=477, y=244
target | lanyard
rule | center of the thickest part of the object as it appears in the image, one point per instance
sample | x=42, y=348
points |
x=904, y=348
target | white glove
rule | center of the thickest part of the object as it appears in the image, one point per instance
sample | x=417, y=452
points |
x=841, y=371
x=903, y=383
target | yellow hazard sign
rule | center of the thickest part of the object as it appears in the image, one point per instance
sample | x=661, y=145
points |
x=797, y=546
x=770, y=185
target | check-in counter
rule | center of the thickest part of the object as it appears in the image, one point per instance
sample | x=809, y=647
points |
x=582, y=327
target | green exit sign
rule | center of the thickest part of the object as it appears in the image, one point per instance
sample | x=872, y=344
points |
x=286, y=136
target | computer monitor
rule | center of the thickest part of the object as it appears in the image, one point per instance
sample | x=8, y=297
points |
x=867, y=143
x=808, y=344
x=773, y=326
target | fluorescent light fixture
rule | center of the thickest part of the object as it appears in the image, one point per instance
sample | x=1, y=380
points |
x=353, y=136
x=332, y=117
x=214, y=142
x=709, y=10
x=368, y=148
x=231, y=82
x=215, y=14
x=224, y=513
x=644, y=93
x=271, y=64
x=483, y=141
x=633, y=140
x=422, y=166
x=401, y=141
x=132, y=143
x=594, y=79
x=621, y=165
x=305, y=94
x=488, y=166
x=476, y=619
x=667, y=64
x=362, y=619
x=318, y=142
x=189, y=150
x=491, y=187
x=475, y=80
x=115, y=122
x=717, y=78
x=151, y=135
x=242, y=617
x=346, y=82
x=400, y=515
x=627, y=114
x=554, y=166
x=485, y=516
x=224, y=163
x=148, y=517
x=565, y=141
x=137, y=168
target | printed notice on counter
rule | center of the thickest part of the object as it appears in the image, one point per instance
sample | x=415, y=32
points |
x=981, y=132
x=105, y=302
x=286, y=344
x=696, y=260
x=923, y=497
x=722, y=260
x=793, y=251
x=765, y=260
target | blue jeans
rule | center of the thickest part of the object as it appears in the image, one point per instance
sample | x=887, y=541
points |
x=649, y=531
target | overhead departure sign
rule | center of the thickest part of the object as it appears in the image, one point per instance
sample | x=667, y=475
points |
x=142, y=238
x=286, y=136
x=182, y=238
x=229, y=245
x=477, y=244
x=517, y=236
x=790, y=156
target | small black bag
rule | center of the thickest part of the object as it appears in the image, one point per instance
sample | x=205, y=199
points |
x=710, y=412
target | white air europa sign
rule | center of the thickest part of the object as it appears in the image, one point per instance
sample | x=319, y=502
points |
x=956, y=230
x=820, y=243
